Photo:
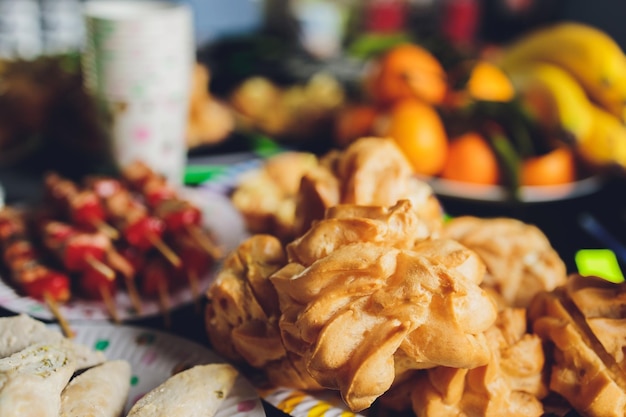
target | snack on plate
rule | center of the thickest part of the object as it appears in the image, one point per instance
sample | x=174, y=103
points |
x=32, y=379
x=39, y=374
x=398, y=226
x=20, y=331
x=352, y=312
x=194, y=392
x=519, y=257
x=582, y=323
x=242, y=313
x=509, y=385
x=266, y=197
x=100, y=391
x=294, y=189
x=371, y=288
x=371, y=171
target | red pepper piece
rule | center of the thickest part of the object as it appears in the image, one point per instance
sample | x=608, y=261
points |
x=79, y=251
x=54, y=284
x=158, y=195
x=93, y=284
x=177, y=221
x=87, y=210
x=141, y=232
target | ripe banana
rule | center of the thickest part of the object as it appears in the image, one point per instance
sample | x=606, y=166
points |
x=605, y=144
x=553, y=98
x=593, y=57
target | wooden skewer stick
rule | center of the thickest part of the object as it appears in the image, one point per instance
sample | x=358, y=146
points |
x=56, y=312
x=205, y=241
x=133, y=294
x=100, y=267
x=165, y=250
x=107, y=229
x=164, y=302
x=109, y=303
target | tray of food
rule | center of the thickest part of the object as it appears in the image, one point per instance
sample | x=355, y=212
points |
x=113, y=371
x=113, y=248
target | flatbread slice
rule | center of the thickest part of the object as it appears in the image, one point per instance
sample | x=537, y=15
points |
x=100, y=391
x=31, y=381
x=20, y=331
x=195, y=392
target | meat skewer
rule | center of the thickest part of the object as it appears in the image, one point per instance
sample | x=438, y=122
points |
x=104, y=250
x=83, y=254
x=178, y=214
x=131, y=218
x=89, y=255
x=27, y=271
x=82, y=207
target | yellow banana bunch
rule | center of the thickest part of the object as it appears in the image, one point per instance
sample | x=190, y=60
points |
x=590, y=55
x=553, y=98
x=605, y=144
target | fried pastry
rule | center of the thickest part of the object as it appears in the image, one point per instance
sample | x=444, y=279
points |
x=294, y=189
x=371, y=171
x=266, y=197
x=350, y=313
x=242, y=313
x=194, y=392
x=398, y=226
x=100, y=391
x=20, y=331
x=32, y=379
x=510, y=384
x=582, y=323
x=519, y=257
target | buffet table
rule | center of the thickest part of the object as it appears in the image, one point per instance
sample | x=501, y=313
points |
x=565, y=222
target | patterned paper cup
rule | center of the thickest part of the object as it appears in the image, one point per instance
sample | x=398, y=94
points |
x=138, y=62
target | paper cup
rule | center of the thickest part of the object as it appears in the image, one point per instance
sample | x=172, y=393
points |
x=138, y=62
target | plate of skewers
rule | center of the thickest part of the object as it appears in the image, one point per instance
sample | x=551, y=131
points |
x=112, y=248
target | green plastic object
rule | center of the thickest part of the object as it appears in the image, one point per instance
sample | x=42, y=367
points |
x=197, y=174
x=600, y=263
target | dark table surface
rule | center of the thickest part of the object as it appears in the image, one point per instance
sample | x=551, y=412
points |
x=559, y=220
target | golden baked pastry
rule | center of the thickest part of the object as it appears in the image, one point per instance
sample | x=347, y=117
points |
x=241, y=315
x=509, y=385
x=371, y=171
x=294, y=189
x=583, y=324
x=398, y=226
x=519, y=257
x=351, y=312
x=266, y=197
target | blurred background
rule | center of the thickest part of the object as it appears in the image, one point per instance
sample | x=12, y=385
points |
x=297, y=74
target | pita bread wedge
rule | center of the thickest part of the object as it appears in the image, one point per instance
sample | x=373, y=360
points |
x=21, y=331
x=31, y=381
x=195, y=392
x=100, y=391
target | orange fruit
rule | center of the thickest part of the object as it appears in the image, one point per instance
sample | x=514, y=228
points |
x=407, y=71
x=471, y=159
x=353, y=122
x=418, y=130
x=489, y=82
x=556, y=167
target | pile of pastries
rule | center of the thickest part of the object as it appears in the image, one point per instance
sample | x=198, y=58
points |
x=365, y=288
